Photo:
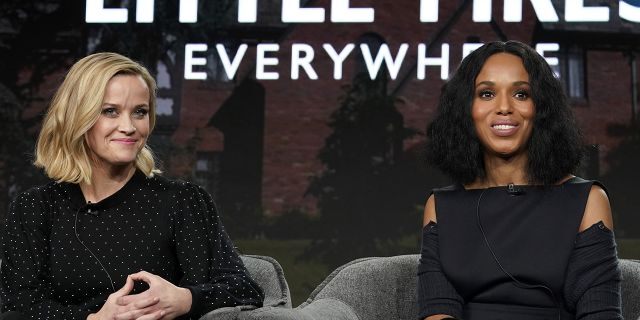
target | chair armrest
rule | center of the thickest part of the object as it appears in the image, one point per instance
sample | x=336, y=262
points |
x=269, y=275
x=226, y=313
x=630, y=288
x=321, y=309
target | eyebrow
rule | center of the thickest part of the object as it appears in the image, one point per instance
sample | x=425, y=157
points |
x=491, y=83
x=145, y=105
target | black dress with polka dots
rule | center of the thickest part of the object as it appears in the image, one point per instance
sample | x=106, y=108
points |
x=62, y=257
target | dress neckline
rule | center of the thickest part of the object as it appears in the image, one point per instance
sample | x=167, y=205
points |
x=574, y=179
x=78, y=200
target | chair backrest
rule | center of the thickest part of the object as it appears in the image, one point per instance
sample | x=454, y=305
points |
x=630, y=288
x=376, y=288
x=385, y=288
x=268, y=273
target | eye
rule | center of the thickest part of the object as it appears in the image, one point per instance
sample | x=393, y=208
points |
x=110, y=112
x=140, y=113
x=521, y=95
x=486, y=94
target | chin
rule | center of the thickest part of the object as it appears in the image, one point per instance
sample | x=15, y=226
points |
x=508, y=153
x=506, y=156
x=124, y=161
x=505, y=148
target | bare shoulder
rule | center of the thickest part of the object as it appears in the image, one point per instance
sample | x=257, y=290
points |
x=429, y=210
x=597, y=209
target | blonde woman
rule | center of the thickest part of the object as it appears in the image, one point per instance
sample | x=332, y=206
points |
x=108, y=238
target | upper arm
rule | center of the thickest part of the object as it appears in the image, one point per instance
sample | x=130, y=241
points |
x=26, y=239
x=597, y=209
x=25, y=273
x=201, y=241
x=429, y=210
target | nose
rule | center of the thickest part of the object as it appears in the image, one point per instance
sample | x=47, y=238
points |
x=125, y=125
x=504, y=105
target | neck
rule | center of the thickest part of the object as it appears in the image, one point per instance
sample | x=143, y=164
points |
x=105, y=182
x=503, y=171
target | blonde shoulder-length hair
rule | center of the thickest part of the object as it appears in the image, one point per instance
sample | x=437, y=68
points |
x=61, y=149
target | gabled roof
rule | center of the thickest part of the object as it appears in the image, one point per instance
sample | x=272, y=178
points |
x=616, y=34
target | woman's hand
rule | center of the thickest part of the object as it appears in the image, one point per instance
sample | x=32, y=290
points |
x=111, y=309
x=172, y=301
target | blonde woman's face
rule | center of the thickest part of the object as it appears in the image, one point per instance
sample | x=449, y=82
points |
x=123, y=127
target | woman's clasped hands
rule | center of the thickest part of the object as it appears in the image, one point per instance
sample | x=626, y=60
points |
x=163, y=300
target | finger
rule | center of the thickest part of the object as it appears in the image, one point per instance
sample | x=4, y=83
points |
x=133, y=298
x=142, y=275
x=153, y=316
x=128, y=286
x=144, y=303
x=135, y=314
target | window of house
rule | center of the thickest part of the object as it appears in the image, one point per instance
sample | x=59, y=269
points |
x=166, y=95
x=206, y=171
x=571, y=71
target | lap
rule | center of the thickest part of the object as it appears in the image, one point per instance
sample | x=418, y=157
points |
x=12, y=315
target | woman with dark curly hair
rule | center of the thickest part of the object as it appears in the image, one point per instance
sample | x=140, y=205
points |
x=518, y=236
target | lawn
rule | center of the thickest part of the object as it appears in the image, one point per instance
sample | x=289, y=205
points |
x=628, y=248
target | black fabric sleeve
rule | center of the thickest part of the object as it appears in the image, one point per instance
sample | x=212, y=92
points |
x=212, y=268
x=436, y=295
x=592, y=285
x=25, y=276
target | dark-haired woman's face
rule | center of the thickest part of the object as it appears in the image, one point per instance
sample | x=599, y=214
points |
x=502, y=110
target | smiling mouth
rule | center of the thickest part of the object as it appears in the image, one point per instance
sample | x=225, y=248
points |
x=125, y=141
x=503, y=126
x=504, y=130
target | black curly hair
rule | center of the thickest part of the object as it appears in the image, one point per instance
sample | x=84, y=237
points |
x=555, y=148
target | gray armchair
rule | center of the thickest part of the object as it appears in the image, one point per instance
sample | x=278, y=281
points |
x=385, y=288
x=268, y=273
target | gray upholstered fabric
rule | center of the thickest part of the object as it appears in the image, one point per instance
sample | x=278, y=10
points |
x=268, y=273
x=630, y=289
x=376, y=288
x=321, y=309
x=227, y=313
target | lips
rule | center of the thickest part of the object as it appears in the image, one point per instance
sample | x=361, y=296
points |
x=504, y=128
x=127, y=141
